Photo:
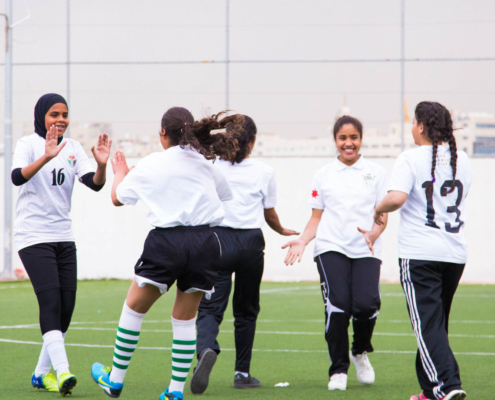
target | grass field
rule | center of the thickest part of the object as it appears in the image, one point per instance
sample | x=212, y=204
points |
x=289, y=345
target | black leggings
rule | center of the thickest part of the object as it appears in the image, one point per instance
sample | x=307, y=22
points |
x=52, y=268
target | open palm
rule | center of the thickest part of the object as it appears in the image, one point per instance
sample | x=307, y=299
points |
x=102, y=150
x=51, y=143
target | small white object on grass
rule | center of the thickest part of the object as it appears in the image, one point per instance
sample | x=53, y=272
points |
x=282, y=384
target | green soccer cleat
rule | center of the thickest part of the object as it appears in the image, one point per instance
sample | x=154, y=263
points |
x=66, y=383
x=47, y=382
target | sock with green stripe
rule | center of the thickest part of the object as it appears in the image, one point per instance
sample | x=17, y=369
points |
x=125, y=343
x=183, y=349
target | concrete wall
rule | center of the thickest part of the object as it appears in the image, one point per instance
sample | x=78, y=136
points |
x=110, y=239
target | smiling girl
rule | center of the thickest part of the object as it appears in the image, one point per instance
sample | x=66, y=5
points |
x=347, y=251
x=45, y=166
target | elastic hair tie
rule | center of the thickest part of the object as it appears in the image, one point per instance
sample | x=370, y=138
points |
x=433, y=180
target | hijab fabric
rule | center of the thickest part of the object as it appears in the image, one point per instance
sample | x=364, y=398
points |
x=44, y=103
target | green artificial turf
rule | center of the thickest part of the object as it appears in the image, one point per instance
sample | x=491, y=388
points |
x=289, y=345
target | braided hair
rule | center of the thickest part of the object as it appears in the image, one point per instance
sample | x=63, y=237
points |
x=438, y=126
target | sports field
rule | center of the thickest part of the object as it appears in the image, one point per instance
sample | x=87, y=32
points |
x=289, y=345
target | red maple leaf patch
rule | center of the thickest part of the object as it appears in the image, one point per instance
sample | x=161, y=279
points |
x=314, y=194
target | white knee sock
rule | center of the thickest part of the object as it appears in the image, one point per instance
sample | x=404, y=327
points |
x=183, y=349
x=44, y=364
x=126, y=342
x=55, y=347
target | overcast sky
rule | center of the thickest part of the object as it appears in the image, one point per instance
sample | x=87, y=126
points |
x=283, y=98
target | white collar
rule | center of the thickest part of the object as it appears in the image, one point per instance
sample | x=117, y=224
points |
x=340, y=166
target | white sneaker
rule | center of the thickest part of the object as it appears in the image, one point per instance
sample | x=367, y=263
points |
x=365, y=372
x=338, y=382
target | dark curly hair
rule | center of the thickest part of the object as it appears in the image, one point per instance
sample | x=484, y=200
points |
x=247, y=135
x=179, y=124
x=437, y=122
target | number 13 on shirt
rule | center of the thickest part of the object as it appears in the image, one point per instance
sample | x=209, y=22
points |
x=444, y=190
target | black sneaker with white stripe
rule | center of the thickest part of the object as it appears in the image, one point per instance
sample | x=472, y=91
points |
x=245, y=382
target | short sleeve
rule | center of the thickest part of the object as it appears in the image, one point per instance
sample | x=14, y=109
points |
x=22, y=154
x=402, y=178
x=83, y=164
x=316, y=196
x=129, y=189
x=270, y=192
x=381, y=186
x=221, y=185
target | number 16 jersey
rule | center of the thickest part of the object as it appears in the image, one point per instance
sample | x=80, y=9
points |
x=43, y=206
x=432, y=226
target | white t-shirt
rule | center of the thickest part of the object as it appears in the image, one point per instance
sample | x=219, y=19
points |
x=348, y=196
x=43, y=206
x=179, y=187
x=253, y=185
x=432, y=229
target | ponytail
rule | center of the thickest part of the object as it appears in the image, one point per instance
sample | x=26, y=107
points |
x=198, y=135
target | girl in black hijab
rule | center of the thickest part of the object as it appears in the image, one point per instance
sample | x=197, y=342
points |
x=45, y=166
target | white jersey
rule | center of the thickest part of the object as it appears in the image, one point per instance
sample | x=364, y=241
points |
x=179, y=187
x=432, y=229
x=44, y=203
x=348, y=195
x=253, y=185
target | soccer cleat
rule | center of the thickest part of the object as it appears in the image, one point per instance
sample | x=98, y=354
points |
x=457, y=394
x=420, y=396
x=243, y=382
x=453, y=395
x=338, y=382
x=66, y=383
x=47, y=382
x=101, y=375
x=201, y=374
x=172, y=396
x=365, y=372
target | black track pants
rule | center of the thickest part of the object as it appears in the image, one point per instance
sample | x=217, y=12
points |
x=242, y=254
x=52, y=268
x=430, y=287
x=350, y=287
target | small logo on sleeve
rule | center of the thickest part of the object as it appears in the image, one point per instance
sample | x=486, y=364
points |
x=314, y=194
x=72, y=161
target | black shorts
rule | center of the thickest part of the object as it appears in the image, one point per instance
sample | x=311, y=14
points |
x=186, y=254
x=51, y=265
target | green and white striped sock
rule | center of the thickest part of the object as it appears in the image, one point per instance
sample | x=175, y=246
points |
x=125, y=343
x=183, y=349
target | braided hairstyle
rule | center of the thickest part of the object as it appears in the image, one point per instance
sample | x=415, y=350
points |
x=247, y=136
x=438, y=126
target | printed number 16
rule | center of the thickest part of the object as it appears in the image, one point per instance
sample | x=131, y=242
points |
x=444, y=190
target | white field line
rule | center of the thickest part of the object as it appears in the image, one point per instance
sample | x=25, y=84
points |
x=15, y=287
x=257, y=350
x=80, y=328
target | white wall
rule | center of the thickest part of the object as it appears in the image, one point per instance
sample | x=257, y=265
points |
x=110, y=239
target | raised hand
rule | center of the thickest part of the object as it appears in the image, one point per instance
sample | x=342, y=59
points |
x=370, y=239
x=296, y=251
x=102, y=151
x=119, y=163
x=52, y=148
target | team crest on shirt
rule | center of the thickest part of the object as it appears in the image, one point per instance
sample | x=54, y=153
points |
x=72, y=161
x=369, y=180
